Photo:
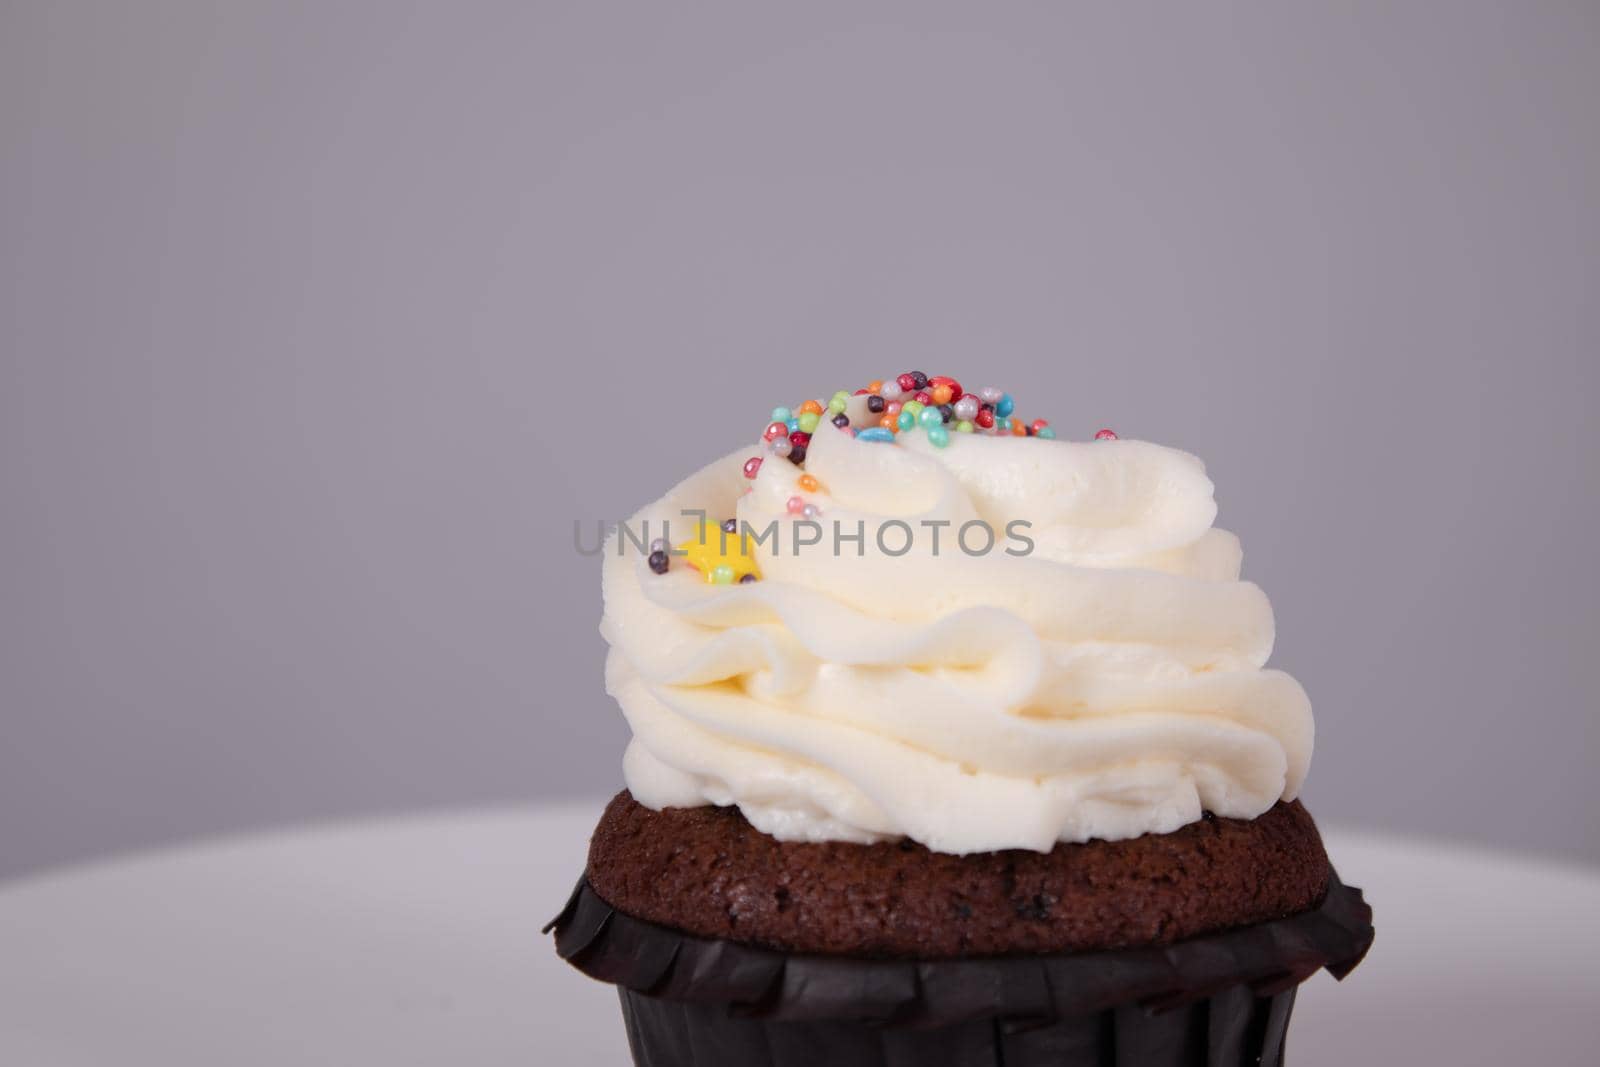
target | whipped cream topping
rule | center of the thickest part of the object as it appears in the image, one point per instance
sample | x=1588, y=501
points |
x=1097, y=674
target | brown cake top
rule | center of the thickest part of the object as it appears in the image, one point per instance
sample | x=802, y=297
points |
x=708, y=872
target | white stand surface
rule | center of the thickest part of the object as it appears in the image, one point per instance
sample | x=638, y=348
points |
x=416, y=941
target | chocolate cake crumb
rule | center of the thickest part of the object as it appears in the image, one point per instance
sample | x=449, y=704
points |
x=707, y=871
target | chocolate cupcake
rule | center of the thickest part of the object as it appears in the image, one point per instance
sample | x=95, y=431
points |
x=951, y=746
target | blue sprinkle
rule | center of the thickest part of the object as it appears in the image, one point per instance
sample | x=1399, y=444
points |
x=794, y=425
x=781, y=414
x=1047, y=433
x=876, y=433
x=938, y=436
x=1005, y=407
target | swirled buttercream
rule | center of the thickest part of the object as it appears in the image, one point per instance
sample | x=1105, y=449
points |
x=1097, y=674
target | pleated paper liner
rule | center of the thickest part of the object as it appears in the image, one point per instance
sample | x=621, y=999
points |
x=1218, y=1000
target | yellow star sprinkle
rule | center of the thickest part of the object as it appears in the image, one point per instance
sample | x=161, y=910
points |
x=722, y=558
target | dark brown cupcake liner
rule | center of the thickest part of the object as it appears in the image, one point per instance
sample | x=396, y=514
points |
x=1235, y=1028
x=1220, y=999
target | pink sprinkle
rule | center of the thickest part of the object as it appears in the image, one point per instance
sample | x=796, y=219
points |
x=751, y=466
x=1106, y=435
x=796, y=505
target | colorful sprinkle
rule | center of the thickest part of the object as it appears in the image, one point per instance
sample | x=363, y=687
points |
x=659, y=561
x=1106, y=435
x=938, y=405
x=796, y=505
x=719, y=556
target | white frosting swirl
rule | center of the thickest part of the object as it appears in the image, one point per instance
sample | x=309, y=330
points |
x=1107, y=684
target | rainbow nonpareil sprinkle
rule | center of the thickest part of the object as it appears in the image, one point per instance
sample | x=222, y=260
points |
x=935, y=405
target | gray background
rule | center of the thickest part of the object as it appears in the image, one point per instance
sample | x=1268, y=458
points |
x=320, y=323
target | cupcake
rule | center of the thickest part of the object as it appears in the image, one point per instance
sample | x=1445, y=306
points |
x=953, y=743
